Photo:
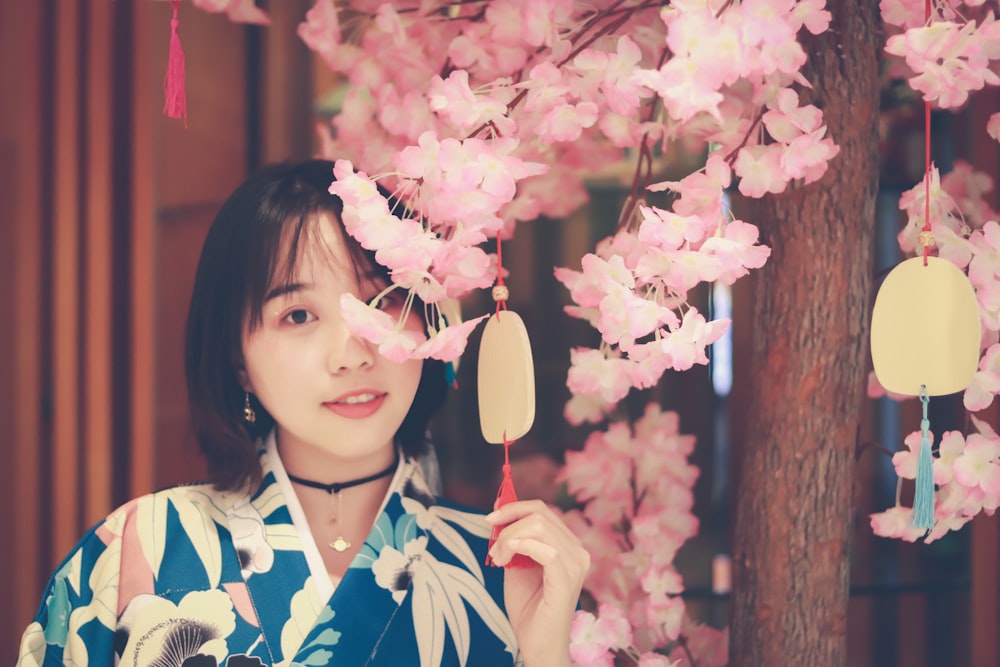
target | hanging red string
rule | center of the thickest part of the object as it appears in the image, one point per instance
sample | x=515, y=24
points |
x=926, y=238
x=175, y=96
x=500, y=291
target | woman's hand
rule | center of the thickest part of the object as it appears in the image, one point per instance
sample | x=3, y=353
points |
x=541, y=599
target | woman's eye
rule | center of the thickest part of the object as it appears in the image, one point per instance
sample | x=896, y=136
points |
x=389, y=303
x=299, y=316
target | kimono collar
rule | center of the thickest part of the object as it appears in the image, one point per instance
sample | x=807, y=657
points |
x=271, y=463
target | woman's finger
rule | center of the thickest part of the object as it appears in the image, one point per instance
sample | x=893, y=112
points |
x=523, y=509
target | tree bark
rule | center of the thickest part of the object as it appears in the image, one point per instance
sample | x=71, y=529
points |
x=808, y=369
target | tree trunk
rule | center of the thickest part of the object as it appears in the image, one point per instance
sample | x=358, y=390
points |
x=808, y=369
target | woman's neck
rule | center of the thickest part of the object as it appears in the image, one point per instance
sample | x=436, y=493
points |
x=341, y=515
x=328, y=467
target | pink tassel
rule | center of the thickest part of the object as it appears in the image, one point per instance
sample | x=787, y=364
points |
x=175, y=102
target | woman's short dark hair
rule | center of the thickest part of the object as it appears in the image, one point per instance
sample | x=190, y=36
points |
x=255, y=236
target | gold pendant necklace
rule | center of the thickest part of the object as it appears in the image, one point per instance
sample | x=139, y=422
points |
x=340, y=545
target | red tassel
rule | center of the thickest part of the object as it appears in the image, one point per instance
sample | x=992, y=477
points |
x=505, y=495
x=175, y=102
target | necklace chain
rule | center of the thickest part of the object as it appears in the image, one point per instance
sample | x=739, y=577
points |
x=340, y=544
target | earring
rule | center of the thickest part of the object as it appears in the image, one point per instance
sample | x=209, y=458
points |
x=249, y=416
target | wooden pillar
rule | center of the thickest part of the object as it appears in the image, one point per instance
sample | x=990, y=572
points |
x=984, y=155
x=142, y=101
x=20, y=313
x=63, y=245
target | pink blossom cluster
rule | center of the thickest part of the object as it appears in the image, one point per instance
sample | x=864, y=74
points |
x=967, y=476
x=475, y=116
x=950, y=54
x=634, y=486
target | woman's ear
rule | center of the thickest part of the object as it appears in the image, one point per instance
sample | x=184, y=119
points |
x=244, y=379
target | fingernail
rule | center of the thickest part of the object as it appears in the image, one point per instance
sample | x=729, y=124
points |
x=491, y=517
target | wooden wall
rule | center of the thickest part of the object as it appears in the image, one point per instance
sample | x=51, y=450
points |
x=103, y=205
x=20, y=313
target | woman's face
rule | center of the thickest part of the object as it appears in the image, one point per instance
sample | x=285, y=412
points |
x=335, y=401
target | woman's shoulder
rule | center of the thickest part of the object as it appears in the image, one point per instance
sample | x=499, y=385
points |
x=188, y=503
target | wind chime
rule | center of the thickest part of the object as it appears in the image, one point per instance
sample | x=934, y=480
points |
x=506, y=383
x=925, y=333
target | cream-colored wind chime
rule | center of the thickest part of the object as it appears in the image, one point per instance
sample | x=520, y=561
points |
x=506, y=384
x=925, y=335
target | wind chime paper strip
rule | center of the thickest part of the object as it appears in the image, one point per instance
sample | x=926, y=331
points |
x=506, y=379
x=925, y=329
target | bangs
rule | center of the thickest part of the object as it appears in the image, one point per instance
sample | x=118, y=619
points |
x=284, y=251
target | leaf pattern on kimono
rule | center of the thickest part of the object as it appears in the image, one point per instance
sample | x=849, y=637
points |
x=151, y=526
x=385, y=533
x=431, y=520
x=430, y=624
x=316, y=652
x=464, y=585
x=283, y=537
x=471, y=523
x=201, y=528
x=103, y=584
x=269, y=499
x=33, y=645
x=439, y=594
x=305, y=610
x=198, y=513
x=75, y=569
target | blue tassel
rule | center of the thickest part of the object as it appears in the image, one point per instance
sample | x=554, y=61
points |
x=449, y=375
x=923, y=497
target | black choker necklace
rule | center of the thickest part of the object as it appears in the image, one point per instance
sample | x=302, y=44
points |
x=337, y=487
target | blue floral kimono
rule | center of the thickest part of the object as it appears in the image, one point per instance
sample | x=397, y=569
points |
x=192, y=577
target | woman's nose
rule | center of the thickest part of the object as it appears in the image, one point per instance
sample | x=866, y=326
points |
x=348, y=351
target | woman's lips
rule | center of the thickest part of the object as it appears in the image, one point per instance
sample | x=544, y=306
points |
x=356, y=405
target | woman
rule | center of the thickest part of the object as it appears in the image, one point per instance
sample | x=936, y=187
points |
x=317, y=541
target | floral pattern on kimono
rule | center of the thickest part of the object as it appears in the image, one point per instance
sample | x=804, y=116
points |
x=194, y=577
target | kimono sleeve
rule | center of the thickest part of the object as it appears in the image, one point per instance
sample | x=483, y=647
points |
x=75, y=623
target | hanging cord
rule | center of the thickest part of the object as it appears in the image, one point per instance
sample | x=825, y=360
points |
x=500, y=291
x=926, y=236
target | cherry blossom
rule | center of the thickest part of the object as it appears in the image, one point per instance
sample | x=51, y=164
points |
x=238, y=11
x=977, y=467
x=897, y=521
x=993, y=126
x=985, y=383
x=905, y=462
x=634, y=482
